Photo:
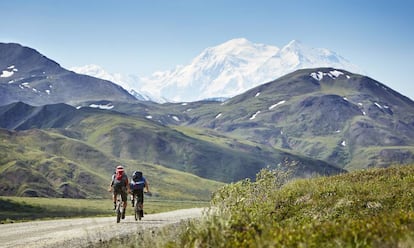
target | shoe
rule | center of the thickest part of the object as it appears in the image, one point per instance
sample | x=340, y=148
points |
x=123, y=214
x=142, y=213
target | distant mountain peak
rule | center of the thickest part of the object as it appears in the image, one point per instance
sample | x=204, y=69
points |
x=236, y=41
x=294, y=44
x=233, y=67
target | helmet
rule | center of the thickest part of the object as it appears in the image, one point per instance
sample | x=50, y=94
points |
x=119, y=168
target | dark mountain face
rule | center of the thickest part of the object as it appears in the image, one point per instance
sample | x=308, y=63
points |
x=30, y=77
x=17, y=58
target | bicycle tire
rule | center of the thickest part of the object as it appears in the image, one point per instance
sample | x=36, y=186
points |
x=136, y=209
x=139, y=212
x=118, y=210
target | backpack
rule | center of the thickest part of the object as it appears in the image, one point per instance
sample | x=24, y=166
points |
x=137, y=176
x=120, y=180
x=138, y=181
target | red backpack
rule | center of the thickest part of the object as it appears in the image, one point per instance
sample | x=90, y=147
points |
x=120, y=179
x=119, y=174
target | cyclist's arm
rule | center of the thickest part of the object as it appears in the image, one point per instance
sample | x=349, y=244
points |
x=147, y=185
x=112, y=182
x=128, y=187
x=110, y=185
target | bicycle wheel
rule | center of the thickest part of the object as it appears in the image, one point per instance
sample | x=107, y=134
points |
x=139, y=211
x=136, y=209
x=118, y=210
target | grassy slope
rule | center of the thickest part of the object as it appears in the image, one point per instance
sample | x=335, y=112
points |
x=41, y=163
x=203, y=152
x=365, y=208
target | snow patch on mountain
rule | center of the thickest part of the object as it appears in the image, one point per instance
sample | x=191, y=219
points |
x=255, y=115
x=102, y=106
x=332, y=74
x=277, y=104
x=8, y=72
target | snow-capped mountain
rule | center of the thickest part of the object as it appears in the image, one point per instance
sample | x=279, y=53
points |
x=130, y=82
x=227, y=70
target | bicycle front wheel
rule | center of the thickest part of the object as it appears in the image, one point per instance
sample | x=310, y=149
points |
x=118, y=212
x=136, y=213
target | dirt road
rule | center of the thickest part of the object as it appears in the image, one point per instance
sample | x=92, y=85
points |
x=84, y=231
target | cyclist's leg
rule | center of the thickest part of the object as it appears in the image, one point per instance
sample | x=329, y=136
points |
x=140, y=196
x=135, y=194
x=124, y=196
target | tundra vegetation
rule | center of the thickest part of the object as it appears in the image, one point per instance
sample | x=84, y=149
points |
x=365, y=208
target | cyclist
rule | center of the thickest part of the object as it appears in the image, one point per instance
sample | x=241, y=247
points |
x=137, y=185
x=120, y=185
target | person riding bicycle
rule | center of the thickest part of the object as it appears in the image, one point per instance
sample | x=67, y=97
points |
x=137, y=185
x=120, y=185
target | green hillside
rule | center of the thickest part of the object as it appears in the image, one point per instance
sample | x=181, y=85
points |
x=366, y=208
x=47, y=164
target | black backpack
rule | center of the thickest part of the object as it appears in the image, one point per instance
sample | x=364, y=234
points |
x=137, y=176
x=138, y=181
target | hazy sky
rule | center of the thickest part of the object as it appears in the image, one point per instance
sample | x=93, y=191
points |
x=140, y=37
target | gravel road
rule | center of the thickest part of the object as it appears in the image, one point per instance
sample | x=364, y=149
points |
x=82, y=232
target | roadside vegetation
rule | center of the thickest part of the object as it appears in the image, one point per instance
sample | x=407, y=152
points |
x=366, y=208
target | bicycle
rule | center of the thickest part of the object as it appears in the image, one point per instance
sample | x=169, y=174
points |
x=119, y=208
x=139, y=211
x=138, y=206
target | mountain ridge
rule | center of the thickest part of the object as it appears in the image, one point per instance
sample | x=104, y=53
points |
x=341, y=113
x=28, y=76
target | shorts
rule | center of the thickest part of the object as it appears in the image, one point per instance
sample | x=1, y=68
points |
x=140, y=194
x=122, y=191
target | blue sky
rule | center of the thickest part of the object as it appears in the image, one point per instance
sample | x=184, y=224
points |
x=140, y=37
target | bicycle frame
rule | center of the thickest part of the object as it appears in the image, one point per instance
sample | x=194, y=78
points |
x=138, y=207
x=119, y=207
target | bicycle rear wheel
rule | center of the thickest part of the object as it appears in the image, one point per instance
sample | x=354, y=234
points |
x=137, y=208
x=139, y=211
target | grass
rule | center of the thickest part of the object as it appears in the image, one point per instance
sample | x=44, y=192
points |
x=366, y=208
x=17, y=209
